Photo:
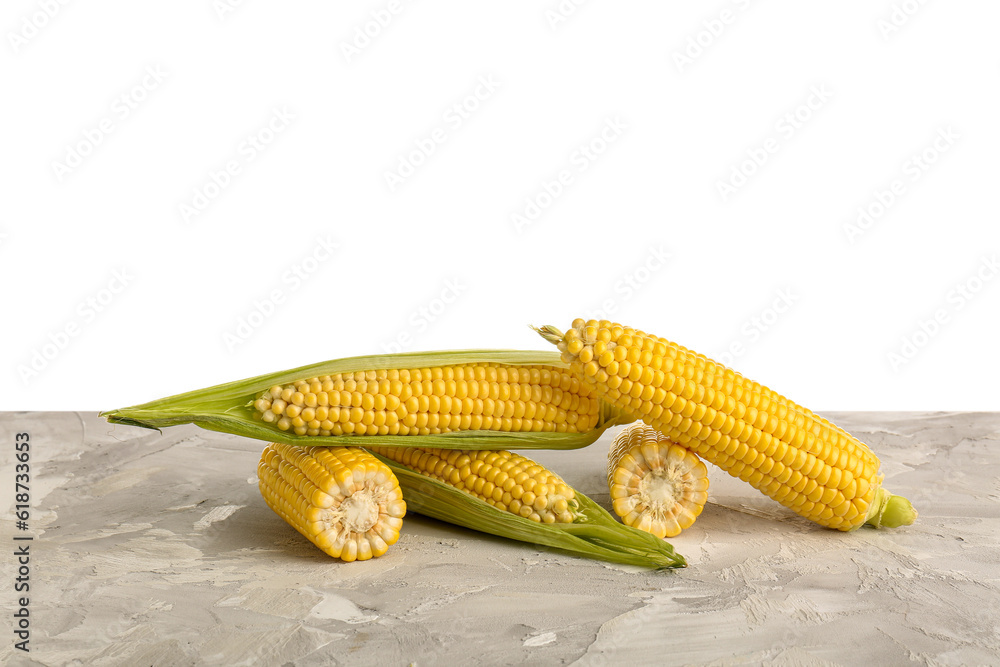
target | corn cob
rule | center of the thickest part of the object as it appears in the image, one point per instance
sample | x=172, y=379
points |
x=469, y=399
x=345, y=501
x=655, y=485
x=424, y=401
x=507, y=481
x=792, y=455
x=591, y=532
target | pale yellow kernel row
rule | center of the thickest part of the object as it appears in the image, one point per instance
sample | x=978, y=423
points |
x=786, y=451
x=507, y=481
x=430, y=401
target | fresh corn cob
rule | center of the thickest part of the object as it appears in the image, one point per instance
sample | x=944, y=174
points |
x=507, y=481
x=424, y=401
x=591, y=532
x=343, y=500
x=792, y=455
x=468, y=399
x=655, y=485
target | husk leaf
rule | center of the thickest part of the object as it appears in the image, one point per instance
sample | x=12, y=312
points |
x=595, y=534
x=228, y=408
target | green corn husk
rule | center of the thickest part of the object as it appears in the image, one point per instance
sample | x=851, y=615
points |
x=228, y=408
x=594, y=534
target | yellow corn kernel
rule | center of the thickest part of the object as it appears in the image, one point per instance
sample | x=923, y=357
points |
x=342, y=499
x=555, y=401
x=786, y=451
x=526, y=488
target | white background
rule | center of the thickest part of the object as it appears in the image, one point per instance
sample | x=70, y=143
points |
x=114, y=296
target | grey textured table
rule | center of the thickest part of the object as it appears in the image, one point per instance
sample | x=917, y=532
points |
x=157, y=549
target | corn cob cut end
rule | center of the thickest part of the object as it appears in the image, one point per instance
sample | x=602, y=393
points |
x=655, y=485
x=507, y=481
x=343, y=500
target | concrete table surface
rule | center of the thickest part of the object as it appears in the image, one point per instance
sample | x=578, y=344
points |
x=155, y=549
